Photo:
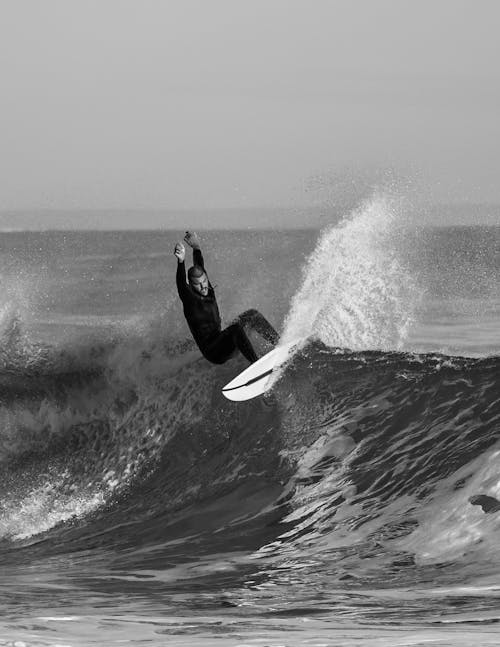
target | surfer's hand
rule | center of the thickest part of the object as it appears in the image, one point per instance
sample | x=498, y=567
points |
x=191, y=238
x=180, y=252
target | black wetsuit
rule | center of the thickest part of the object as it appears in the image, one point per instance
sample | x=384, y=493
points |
x=203, y=318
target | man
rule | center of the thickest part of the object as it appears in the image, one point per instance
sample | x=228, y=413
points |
x=202, y=313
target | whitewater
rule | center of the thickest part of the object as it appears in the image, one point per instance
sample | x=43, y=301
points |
x=359, y=504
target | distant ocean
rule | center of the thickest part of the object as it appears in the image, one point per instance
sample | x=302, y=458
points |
x=360, y=505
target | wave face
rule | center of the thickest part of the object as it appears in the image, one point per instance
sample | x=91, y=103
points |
x=400, y=451
x=365, y=486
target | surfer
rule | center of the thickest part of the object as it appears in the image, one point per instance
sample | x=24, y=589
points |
x=202, y=313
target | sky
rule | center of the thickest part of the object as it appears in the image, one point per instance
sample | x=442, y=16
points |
x=148, y=105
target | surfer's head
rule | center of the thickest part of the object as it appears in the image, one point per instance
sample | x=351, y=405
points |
x=198, y=280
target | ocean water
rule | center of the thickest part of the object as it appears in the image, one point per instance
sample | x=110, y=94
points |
x=358, y=505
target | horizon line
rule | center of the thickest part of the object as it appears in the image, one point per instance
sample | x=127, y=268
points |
x=56, y=230
x=27, y=210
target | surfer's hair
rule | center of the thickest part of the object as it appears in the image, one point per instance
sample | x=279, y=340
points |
x=195, y=272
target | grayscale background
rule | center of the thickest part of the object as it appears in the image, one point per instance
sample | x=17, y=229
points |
x=340, y=162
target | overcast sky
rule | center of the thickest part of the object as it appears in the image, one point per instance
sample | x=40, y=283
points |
x=179, y=104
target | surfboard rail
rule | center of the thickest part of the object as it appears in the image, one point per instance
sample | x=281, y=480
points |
x=256, y=378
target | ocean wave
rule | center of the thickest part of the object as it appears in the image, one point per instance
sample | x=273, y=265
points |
x=357, y=453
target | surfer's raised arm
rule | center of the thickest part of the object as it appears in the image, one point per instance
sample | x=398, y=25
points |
x=180, y=276
x=180, y=252
x=196, y=275
x=191, y=239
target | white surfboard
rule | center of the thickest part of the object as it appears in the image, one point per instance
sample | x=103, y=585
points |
x=257, y=378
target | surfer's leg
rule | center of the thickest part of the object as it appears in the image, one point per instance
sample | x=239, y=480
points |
x=255, y=320
x=227, y=342
x=242, y=342
x=220, y=349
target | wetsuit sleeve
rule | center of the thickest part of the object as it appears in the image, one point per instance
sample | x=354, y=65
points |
x=180, y=278
x=198, y=258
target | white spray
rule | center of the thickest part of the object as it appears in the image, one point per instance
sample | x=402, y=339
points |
x=356, y=292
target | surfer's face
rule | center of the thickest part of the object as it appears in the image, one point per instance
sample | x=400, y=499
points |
x=200, y=284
